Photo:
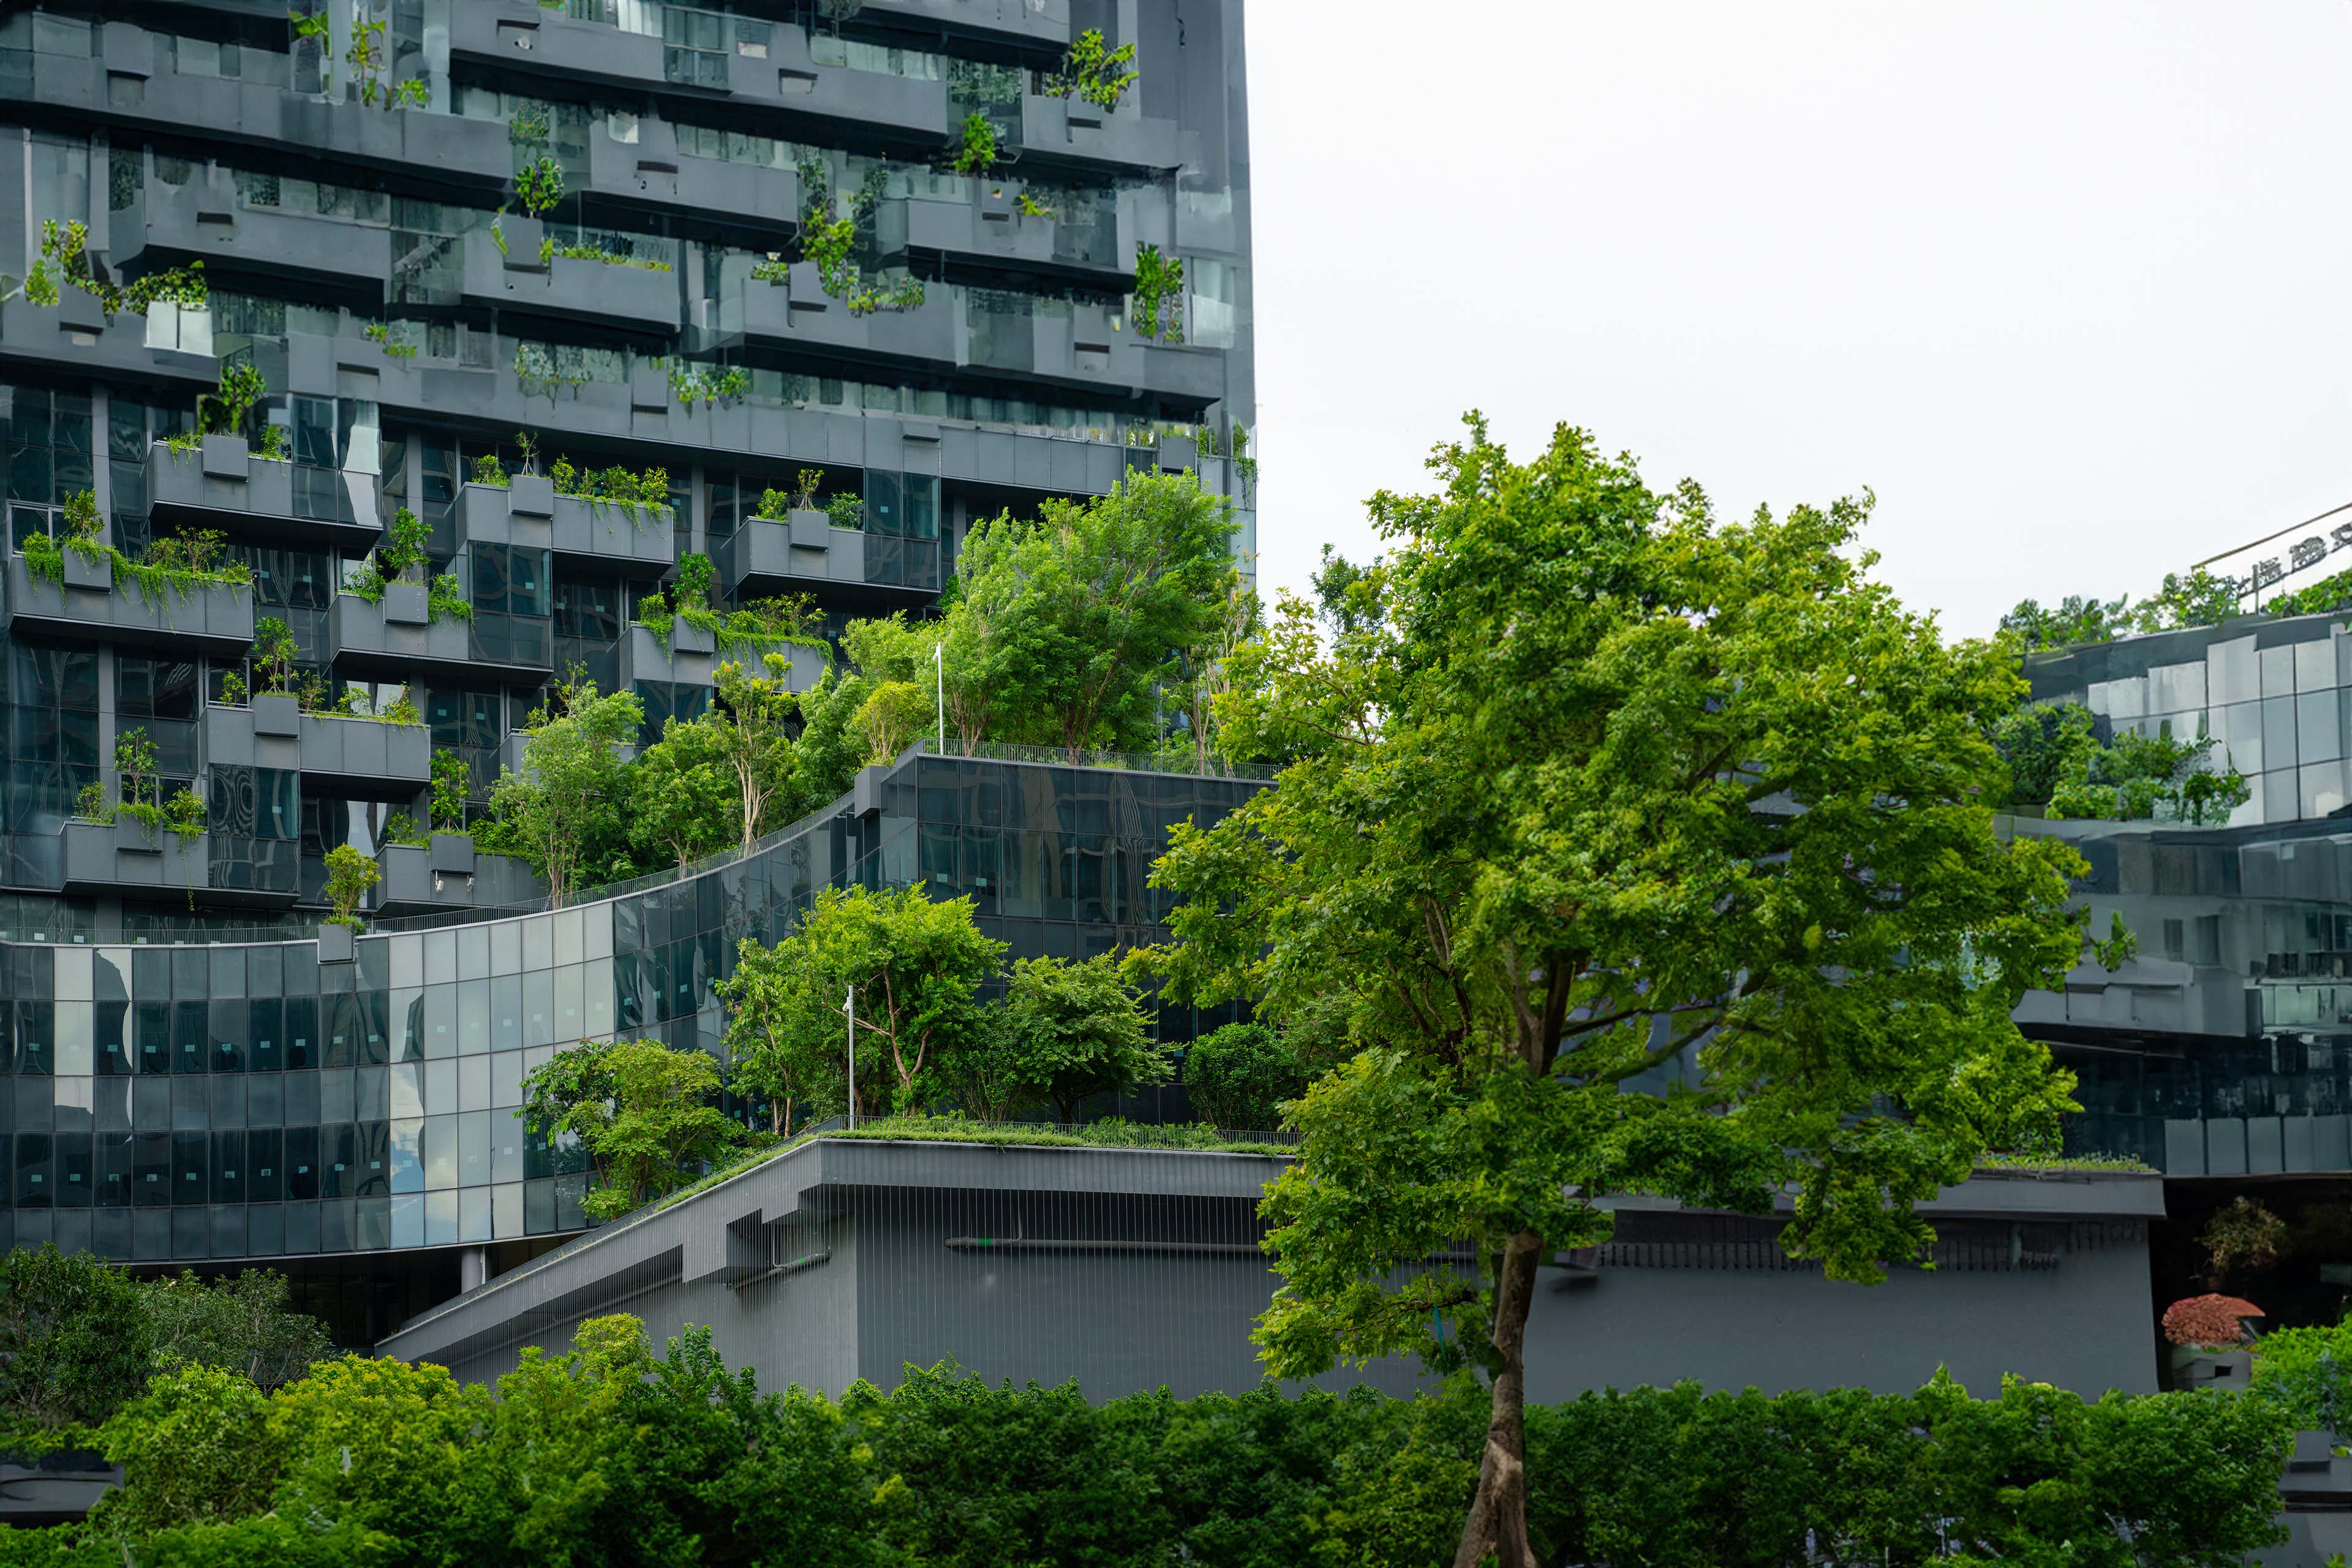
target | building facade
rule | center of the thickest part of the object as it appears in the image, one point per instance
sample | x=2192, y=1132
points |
x=489, y=260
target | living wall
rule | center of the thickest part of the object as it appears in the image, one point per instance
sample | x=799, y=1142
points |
x=615, y=1453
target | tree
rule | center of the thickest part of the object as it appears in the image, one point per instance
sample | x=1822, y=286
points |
x=749, y=736
x=2198, y=598
x=683, y=802
x=452, y=783
x=1078, y=1031
x=1607, y=785
x=243, y=1325
x=2242, y=1238
x=781, y=1043
x=1062, y=628
x=567, y=802
x=644, y=1111
x=2076, y=619
x=2046, y=746
x=1241, y=1075
x=196, y=1447
x=917, y=967
x=351, y=872
x=2136, y=777
x=76, y=1340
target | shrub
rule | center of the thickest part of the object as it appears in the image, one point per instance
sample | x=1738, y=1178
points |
x=1240, y=1074
x=2208, y=1321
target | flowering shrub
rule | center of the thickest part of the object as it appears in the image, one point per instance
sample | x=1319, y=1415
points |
x=2208, y=1321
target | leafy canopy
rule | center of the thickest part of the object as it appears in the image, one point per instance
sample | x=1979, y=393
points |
x=1643, y=852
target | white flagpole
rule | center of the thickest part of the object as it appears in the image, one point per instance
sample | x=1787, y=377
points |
x=939, y=664
x=849, y=1006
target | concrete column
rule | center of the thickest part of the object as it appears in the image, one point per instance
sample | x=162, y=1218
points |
x=473, y=1267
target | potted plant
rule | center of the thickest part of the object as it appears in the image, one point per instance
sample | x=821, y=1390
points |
x=530, y=493
x=2208, y=1335
x=277, y=710
x=452, y=847
x=350, y=875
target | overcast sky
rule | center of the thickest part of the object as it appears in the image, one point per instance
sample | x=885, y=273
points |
x=2067, y=284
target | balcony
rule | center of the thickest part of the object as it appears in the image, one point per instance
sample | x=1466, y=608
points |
x=806, y=553
x=206, y=220
x=1092, y=245
x=527, y=512
x=450, y=875
x=249, y=497
x=394, y=641
x=122, y=857
x=800, y=316
x=616, y=295
x=689, y=660
x=751, y=202
x=1067, y=131
x=213, y=619
x=1017, y=22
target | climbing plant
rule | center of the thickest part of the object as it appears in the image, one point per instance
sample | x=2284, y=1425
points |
x=1159, y=294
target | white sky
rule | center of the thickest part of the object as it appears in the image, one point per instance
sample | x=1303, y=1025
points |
x=2067, y=284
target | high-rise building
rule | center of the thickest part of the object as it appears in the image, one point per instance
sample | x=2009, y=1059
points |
x=845, y=277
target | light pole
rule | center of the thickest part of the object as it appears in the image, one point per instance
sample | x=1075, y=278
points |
x=849, y=1007
x=938, y=665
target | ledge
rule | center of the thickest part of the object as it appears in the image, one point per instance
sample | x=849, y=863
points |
x=95, y=863
x=214, y=618
x=263, y=499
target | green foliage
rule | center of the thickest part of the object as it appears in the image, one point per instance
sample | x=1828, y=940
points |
x=2330, y=593
x=402, y=829
x=781, y=1047
x=750, y=738
x=490, y=470
x=644, y=496
x=184, y=813
x=75, y=1340
x=1078, y=1031
x=539, y=184
x=2076, y=619
x=242, y=1323
x=917, y=967
x=351, y=872
x=1094, y=72
x=1241, y=1075
x=1159, y=291
x=706, y=384
x=2047, y=747
x=844, y=510
x=452, y=781
x=274, y=653
x=2196, y=598
x=444, y=599
x=2242, y=1238
x=614, y=1453
x=572, y=790
x=64, y=257
x=226, y=412
x=2307, y=1374
x=1604, y=788
x=684, y=793
x=974, y=151
x=1064, y=629
x=644, y=1111
x=2136, y=777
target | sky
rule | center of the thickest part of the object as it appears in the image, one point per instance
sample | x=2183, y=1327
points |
x=2067, y=285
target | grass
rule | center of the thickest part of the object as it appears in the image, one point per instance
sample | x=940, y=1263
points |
x=957, y=1130
x=2061, y=1163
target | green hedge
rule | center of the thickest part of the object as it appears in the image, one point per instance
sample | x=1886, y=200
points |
x=613, y=1454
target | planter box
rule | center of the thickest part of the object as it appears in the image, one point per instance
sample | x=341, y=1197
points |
x=104, y=858
x=530, y=495
x=2196, y=1368
x=611, y=294
x=803, y=553
x=685, y=662
x=603, y=530
x=97, y=575
x=413, y=885
x=522, y=235
x=395, y=760
x=406, y=604
x=453, y=852
x=225, y=457
x=337, y=944
x=278, y=714
x=215, y=618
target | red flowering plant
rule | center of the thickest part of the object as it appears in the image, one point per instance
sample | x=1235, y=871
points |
x=2212, y=1323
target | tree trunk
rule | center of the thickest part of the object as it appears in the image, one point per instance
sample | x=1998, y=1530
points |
x=1497, y=1525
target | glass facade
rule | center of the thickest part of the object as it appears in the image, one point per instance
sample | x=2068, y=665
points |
x=244, y=1099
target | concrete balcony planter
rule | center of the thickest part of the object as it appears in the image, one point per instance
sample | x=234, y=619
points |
x=765, y=558
x=395, y=759
x=688, y=661
x=652, y=176
x=608, y=530
x=811, y=529
x=530, y=495
x=362, y=640
x=487, y=515
x=95, y=572
x=522, y=235
x=611, y=294
x=337, y=944
x=213, y=618
x=412, y=884
x=452, y=853
x=407, y=604
x=226, y=457
x=278, y=714
x=204, y=220
x=1066, y=131
x=101, y=857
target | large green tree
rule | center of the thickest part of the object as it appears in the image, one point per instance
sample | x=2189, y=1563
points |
x=566, y=811
x=1078, y=1031
x=646, y=1113
x=1600, y=786
x=783, y=1043
x=1063, y=628
x=683, y=802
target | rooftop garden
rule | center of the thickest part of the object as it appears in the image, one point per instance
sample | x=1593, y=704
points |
x=171, y=566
